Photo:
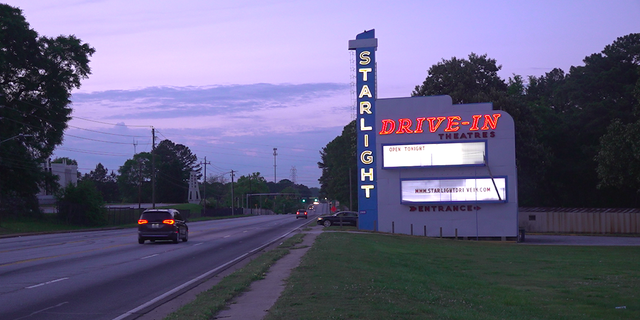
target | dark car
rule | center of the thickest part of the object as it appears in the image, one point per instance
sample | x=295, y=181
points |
x=162, y=224
x=302, y=213
x=339, y=218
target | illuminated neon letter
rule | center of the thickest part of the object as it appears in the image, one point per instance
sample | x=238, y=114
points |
x=364, y=72
x=363, y=127
x=474, y=125
x=366, y=157
x=388, y=126
x=364, y=174
x=367, y=188
x=365, y=92
x=365, y=106
x=453, y=126
x=364, y=58
x=433, y=127
x=403, y=126
x=488, y=122
x=419, y=122
x=366, y=141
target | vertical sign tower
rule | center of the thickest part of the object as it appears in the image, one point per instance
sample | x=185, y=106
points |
x=365, y=46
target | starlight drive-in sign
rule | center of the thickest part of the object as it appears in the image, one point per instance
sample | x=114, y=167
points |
x=433, y=154
x=483, y=189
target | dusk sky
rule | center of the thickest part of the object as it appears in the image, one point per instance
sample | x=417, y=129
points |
x=232, y=80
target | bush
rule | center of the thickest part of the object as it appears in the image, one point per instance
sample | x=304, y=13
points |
x=81, y=205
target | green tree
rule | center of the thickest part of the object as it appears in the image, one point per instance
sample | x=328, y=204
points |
x=105, y=182
x=37, y=74
x=81, y=205
x=134, y=179
x=217, y=191
x=619, y=156
x=465, y=80
x=68, y=161
x=338, y=159
x=250, y=184
x=174, y=163
x=580, y=109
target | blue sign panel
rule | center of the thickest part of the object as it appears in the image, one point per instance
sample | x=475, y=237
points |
x=365, y=46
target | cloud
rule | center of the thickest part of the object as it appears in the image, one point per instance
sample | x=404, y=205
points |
x=235, y=126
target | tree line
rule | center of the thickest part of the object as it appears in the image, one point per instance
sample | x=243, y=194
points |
x=577, y=133
x=174, y=163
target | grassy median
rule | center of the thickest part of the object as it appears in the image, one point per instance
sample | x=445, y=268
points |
x=375, y=276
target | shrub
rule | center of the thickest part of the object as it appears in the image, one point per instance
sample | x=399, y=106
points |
x=81, y=205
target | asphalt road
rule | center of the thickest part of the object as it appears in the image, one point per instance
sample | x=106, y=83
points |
x=108, y=275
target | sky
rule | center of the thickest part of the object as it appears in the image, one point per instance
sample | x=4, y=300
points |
x=234, y=79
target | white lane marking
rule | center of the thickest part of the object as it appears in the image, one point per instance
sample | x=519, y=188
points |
x=227, y=236
x=197, y=244
x=147, y=257
x=46, y=283
x=245, y=231
x=198, y=278
x=43, y=310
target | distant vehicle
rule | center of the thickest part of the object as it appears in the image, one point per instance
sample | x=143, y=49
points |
x=302, y=213
x=344, y=217
x=162, y=224
x=310, y=207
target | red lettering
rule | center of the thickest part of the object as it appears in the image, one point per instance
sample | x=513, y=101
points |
x=474, y=125
x=490, y=123
x=388, y=126
x=412, y=208
x=419, y=122
x=453, y=126
x=433, y=127
x=403, y=126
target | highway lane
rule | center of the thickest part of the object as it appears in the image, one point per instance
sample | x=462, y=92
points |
x=108, y=275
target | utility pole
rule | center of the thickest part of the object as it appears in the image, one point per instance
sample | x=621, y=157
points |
x=275, y=153
x=135, y=143
x=139, y=183
x=204, y=184
x=232, y=211
x=153, y=167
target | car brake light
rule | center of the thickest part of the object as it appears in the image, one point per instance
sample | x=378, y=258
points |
x=168, y=221
x=142, y=221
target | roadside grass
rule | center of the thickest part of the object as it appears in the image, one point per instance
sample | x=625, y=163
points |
x=379, y=276
x=210, y=302
x=47, y=223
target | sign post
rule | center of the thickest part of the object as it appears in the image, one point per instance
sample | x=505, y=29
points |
x=365, y=46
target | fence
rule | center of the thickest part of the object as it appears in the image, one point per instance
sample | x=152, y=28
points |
x=580, y=220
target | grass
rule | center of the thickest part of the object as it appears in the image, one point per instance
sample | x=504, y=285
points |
x=210, y=302
x=375, y=276
x=48, y=223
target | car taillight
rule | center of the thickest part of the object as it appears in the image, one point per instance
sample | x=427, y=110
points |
x=142, y=221
x=168, y=221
